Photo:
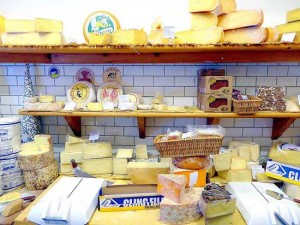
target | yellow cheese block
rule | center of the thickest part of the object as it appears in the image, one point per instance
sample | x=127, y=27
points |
x=129, y=37
x=99, y=39
x=50, y=39
x=244, y=152
x=46, y=98
x=156, y=37
x=272, y=35
x=46, y=25
x=202, y=5
x=241, y=18
x=203, y=20
x=13, y=207
x=236, y=175
x=124, y=153
x=291, y=27
x=293, y=15
x=95, y=106
x=225, y=6
x=66, y=157
x=211, y=35
x=67, y=168
x=2, y=26
x=75, y=147
x=251, y=147
x=97, y=150
x=222, y=161
x=221, y=220
x=43, y=139
x=119, y=166
x=248, y=35
x=141, y=151
x=31, y=38
x=98, y=166
x=19, y=26
x=238, y=163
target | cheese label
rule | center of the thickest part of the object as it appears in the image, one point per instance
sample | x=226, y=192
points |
x=54, y=72
x=85, y=74
x=80, y=93
x=112, y=75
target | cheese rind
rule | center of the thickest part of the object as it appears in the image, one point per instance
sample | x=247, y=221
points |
x=288, y=27
x=202, y=5
x=98, y=166
x=47, y=25
x=129, y=37
x=99, y=39
x=66, y=157
x=293, y=15
x=19, y=26
x=222, y=161
x=97, y=150
x=120, y=166
x=248, y=35
x=203, y=20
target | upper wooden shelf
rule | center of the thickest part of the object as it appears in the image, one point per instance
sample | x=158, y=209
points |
x=221, y=53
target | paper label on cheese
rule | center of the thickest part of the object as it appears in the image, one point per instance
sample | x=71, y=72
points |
x=80, y=93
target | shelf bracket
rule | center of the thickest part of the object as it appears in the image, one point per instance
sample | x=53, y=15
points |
x=213, y=121
x=75, y=124
x=142, y=126
x=280, y=125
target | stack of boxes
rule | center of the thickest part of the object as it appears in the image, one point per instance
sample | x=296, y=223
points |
x=214, y=91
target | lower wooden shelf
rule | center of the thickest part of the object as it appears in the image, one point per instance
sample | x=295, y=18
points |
x=281, y=120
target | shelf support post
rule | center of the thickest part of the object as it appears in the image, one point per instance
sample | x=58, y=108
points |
x=280, y=125
x=75, y=124
x=142, y=126
x=213, y=121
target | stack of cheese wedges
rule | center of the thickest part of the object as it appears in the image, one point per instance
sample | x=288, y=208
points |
x=36, y=159
x=31, y=32
x=180, y=205
x=120, y=161
x=292, y=24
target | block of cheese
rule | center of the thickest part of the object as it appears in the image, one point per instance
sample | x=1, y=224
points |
x=225, y=6
x=19, y=26
x=192, y=162
x=2, y=24
x=98, y=166
x=171, y=186
x=236, y=175
x=141, y=151
x=217, y=208
x=46, y=25
x=67, y=168
x=40, y=178
x=252, y=147
x=221, y=220
x=125, y=153
x=95, y=106
x=248, y=35
x=157, y=37
x=203, y=20
x=238, y=163
x=75, y=147
x=46, y=98
x=292, y=190
x=97, y=150
x=244, y=152
x=120, y=166
x=194, y=178
x=289, y=27
x=66, y=157
x=100, y=39
x=293, y=15
x=234, y=153
x=272, y=35
x=211, y=35
x=129, y=37
x=20, y=39
x=33, y=156
x=13, y=207
x=186, y=212
x=290, y=157
x=240, y=18
x=72, y=139
x=222, y=161
x=43, y=139
x=50, y=39
x=146, y=172
x=202, y=5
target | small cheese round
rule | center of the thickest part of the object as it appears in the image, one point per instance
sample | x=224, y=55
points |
x=81, y=93
x=192, y=162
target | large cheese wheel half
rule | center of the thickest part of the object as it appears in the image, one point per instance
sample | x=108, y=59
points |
x=40, y=178
x=33, y=156
x=81, y=93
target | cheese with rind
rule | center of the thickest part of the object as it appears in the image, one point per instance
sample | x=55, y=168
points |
x=272, y=35
x=225, y=6
x=222, y=161
x=43, y=139
x=129, y=37
x=202, y=5
x=72, y=139
x=248, y=35
x=47, y=25
x=75, y=147
x=97, y=150
x=293, y=15
x=98, y=166
x=203, y=20
x=66, y=157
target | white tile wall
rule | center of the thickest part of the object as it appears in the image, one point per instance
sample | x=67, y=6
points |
x=176, y=82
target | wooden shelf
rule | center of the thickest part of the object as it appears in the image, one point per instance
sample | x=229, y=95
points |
x=221, y=53
x=281, y=120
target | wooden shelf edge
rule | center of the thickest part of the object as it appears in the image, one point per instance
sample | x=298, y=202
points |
x=74, y=123
x=280, y=125
x=141, y=121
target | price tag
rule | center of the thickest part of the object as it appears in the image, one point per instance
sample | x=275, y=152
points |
x=94, y=135
x=70, y=106
x=289, y=37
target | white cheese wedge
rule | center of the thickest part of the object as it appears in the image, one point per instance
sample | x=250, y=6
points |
x=241, y=18
x=119, y=166
x=66, y=157
x=141, y=151
x=97, y=150
x=203, y=20
x=129, y=37
x=293, y=15
x=72, y=139
x=99, y=39
x=238, y=163
x=124, y=153
x=98, y=166
x=248, y=35
x=43, y=139
x=291, y=27
x=46, y=25
x=19, y=26
x=202, y=5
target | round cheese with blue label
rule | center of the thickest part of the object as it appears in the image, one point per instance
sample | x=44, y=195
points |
x=81, y=93
x=101, y=22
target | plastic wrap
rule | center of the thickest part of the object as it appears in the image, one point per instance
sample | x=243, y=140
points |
x=206, y=130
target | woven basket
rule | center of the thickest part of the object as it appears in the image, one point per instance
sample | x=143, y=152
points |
x=250, y=106
x=201, y=146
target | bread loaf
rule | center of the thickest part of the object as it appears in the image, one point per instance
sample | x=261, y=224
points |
x=192, y=162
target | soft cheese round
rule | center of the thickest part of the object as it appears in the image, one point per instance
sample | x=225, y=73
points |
x=81, y=92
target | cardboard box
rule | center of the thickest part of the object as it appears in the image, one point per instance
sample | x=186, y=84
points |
x=280, y=171
x=215, y=84
x=214, y=102
x=129, y=197
x=211, y=72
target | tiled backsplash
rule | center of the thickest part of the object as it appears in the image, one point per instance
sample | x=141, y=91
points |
x=176, y=82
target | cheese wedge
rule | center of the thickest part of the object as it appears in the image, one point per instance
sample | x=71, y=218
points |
x=43, y=139
x=129, y=37
x=222, y=161
x=67, y=168
x=72, y=139
x=100, y=39
x=124, y=153
x=202, y=5
x=205, y=36
x=293, y=15
x=203, y=20
x=241, y=18
x=225, y=6
x=156, y=37
x=141, y=151
x=46, y=25
x=289, y=27
x=18, y=26
x=248, y=35
x=46, y=98
x=272, y=35
x=2, y=26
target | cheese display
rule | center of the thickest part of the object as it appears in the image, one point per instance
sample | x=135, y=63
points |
x=109, y=93
x=81, y=93
x=98, y=166
x=222, y=161
x=285, y=153
x=238, y=163
x=99, y=39
x=46, y=25
x=206, y=36
x=101, y=22
x=19, y=26
x=129, y=37
x=124, y=153
x=40, y=178
x=97, y=150
x=33, y=156
x=120, y=166
x=250, y=150
x=291, y=27
x=185, y=212
x=225, y=6
x=43, y=139
x=74, y=147
x=66, y=157
x=146, y=172
x=202, y=6
x=203, y=20
x=240, y=18
x=293, y=15
x=141, y=151
x=236, y=175
x=171, y=186
x=272, y=35
x=194, y=178
x=248, y=35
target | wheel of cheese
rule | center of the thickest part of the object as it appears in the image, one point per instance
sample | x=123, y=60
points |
x=40, y=178
x=33, y=156
x=192, y=162
x=81, y=93
x=109, y=93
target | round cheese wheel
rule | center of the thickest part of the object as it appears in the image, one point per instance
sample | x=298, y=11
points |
x=40, y=178
x=192, y=162
x=109, y=93
x=43, y=139
x=33, y=156
x=81, y=93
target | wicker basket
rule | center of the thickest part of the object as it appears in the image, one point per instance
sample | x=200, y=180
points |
x=249, y=106
x=203, y=145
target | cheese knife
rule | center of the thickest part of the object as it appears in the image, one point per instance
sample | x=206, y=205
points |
x=280, y=196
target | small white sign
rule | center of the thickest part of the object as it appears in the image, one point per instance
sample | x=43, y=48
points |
x=70, y=106
x=169, y=32
x=94, y=135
